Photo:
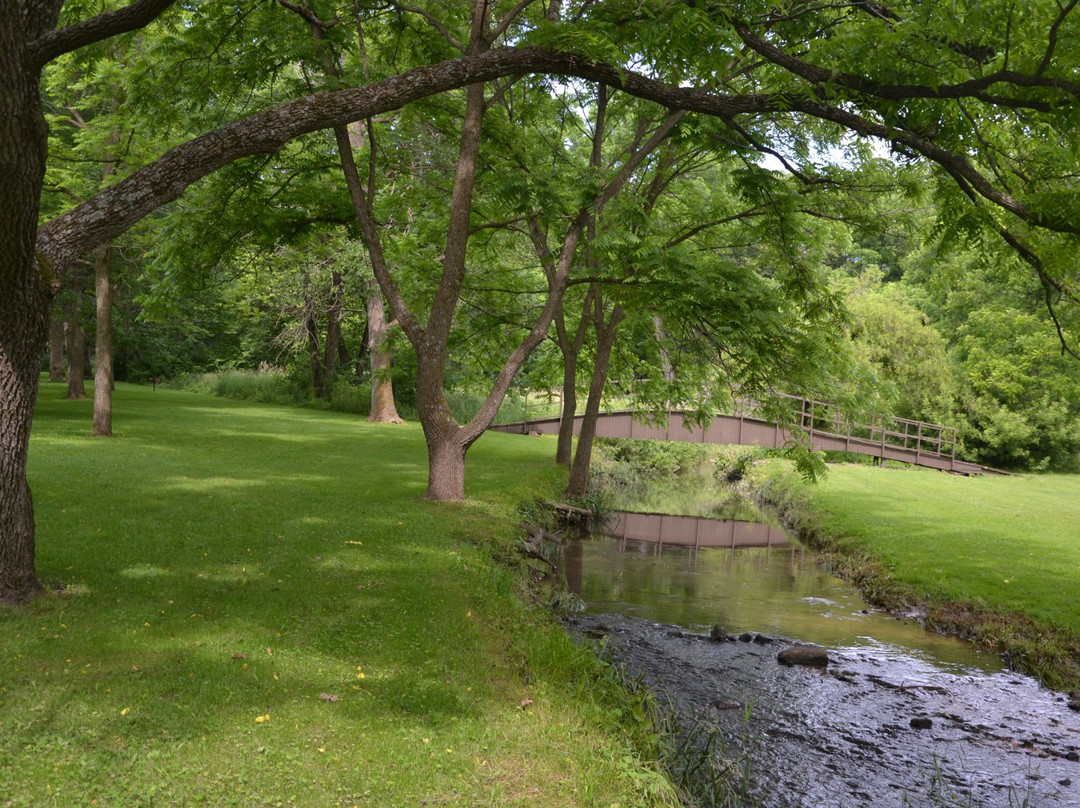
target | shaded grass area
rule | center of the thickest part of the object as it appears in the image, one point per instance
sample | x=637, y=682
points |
x=254, y=605
x=996, y=559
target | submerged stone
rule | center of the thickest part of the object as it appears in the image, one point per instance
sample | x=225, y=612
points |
x=809, y=655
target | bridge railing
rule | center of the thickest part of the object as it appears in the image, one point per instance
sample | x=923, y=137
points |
x=813, y=417
x=822, y=418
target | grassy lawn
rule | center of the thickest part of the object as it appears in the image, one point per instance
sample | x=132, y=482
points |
x=255, y=606
x=971, y=550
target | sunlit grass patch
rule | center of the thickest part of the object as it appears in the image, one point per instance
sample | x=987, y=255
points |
x=254, y=605
x=995, y=558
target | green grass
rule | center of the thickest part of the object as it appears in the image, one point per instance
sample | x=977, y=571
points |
x=253, y=605
x=996, y=558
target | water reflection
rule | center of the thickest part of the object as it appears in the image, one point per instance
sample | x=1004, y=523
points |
x=747, y=577
x=691, y=531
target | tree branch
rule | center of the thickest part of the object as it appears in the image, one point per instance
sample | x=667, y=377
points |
x=444, y=32
x=115, y=209
x=77, y=35
x=974, y=88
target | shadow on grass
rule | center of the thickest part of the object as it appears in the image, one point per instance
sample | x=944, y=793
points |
x=234, y=578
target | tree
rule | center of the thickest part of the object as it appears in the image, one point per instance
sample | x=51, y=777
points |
x=985, y=97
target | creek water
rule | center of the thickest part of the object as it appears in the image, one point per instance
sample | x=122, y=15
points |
x=899, y=717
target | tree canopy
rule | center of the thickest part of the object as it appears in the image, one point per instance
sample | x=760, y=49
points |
x=979, y=102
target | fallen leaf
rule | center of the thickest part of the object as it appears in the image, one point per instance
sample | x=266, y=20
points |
x=328, y=697
x=239, y=656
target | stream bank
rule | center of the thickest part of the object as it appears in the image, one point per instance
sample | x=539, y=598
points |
x=879, y=725
x=1042, y=650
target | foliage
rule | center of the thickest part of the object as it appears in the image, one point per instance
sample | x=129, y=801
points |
x=1024, y=405
x=919, y=379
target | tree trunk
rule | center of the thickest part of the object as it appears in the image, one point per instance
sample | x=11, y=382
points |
x=605, y=340
x=27, y=291
x=383, y=409
x=75, y=343
x=446, y=464
x=571, y=351
x=57, y=369
x=21, y=342
x=343, y=357
x=564, y=448
x=333, y=331
x=103, y=347
x=311, y=329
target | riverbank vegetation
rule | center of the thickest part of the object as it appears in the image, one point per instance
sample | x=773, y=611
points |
x=994, y=559
x=254, y=605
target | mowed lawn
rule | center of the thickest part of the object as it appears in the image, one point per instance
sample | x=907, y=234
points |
x=255, y=605
x=1011, y=544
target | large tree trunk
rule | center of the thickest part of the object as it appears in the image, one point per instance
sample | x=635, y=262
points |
x=22, y=339
x=103, y=347
x=383, y=409
x=571, y=351
x=57, y=369
x=446, y=461
x=27, y=290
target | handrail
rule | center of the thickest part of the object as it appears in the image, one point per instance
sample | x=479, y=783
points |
x=823, y=418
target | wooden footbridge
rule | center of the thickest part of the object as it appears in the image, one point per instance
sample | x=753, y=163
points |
x=923, y=444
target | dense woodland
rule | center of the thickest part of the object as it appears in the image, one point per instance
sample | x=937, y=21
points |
x=871, y=204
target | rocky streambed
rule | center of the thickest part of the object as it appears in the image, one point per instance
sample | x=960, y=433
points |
x=872, y=727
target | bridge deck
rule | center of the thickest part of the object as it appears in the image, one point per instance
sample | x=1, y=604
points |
x=916, y=447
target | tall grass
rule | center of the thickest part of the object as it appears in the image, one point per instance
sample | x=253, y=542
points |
x=254, y=606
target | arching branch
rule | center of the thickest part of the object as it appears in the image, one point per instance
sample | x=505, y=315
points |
x=77, y=35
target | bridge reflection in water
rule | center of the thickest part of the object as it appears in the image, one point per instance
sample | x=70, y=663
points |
x=648, y=534
x=693, y=531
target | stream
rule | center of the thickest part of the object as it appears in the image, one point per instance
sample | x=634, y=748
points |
x=699, y=610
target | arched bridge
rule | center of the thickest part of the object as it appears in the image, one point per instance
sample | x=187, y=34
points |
x=923, y=444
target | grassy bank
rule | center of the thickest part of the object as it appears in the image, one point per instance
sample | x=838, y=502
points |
x=254, y=605
x=996, y=559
